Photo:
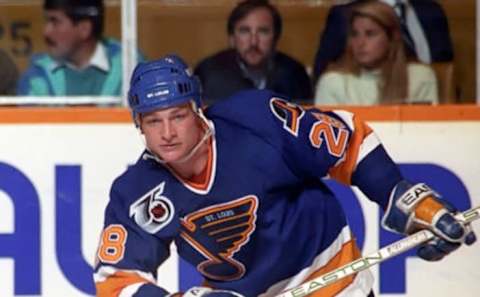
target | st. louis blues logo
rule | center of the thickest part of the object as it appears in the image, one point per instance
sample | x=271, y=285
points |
x=218, y=232
x=153, y=211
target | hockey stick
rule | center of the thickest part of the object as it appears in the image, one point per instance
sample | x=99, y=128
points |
x=375, y=258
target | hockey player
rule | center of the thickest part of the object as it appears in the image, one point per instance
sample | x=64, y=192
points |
x=238, y=191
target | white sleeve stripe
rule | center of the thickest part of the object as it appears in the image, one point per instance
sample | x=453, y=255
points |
x=368, y=145
x=320, y=260
x=130, y=290
x=106, y=271
x=347, y=117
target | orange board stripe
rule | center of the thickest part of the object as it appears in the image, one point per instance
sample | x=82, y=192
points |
x=27, y=115
x=412, y=113
x=30, y=115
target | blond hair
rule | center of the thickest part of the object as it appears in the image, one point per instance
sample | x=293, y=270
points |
x=393, y=85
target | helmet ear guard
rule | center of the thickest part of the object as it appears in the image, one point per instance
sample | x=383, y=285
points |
x=162, y=83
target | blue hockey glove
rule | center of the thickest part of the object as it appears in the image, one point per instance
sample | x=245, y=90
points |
x=207, y=292
x=416, y=207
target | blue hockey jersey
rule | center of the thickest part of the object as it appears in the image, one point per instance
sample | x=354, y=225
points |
x=262, y=220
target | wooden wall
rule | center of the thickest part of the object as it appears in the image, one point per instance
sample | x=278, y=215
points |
x=461, y=19
x=197, y=28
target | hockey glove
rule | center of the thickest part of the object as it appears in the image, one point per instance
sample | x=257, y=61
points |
x=207, y=292
x=416, y=207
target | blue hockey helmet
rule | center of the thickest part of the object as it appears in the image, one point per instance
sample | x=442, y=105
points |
x=162, y=83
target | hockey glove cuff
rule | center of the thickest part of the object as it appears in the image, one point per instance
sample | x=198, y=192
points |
x=416, y=207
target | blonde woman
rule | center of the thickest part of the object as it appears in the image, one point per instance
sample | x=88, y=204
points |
x=374, y=68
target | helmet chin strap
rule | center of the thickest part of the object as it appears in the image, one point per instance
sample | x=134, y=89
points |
x=209, y=131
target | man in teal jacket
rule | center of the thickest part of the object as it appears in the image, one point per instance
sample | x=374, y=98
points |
x=79, y=60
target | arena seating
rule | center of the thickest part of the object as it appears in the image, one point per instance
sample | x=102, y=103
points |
x=446, y=81
x=196, y=28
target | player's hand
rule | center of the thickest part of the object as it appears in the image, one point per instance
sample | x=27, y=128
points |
x=207, y=292
x=416, y=207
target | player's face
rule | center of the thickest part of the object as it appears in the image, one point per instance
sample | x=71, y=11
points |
x=62, y=36
x=253, y=37
x=369, y=42
x=171, y=133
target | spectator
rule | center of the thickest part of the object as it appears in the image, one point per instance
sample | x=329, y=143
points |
x=374, y=68
x=254, y=28
x=424, y=27
x=8, y=75
x=80, y=61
